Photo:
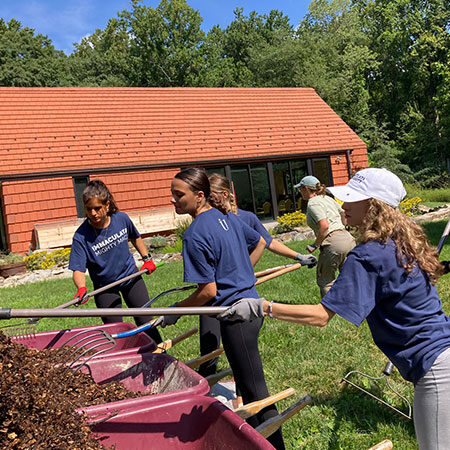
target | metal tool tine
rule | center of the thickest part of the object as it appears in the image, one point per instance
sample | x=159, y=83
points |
x=22, y=330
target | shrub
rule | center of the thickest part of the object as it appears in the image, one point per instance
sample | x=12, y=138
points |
x=175, y=248
x=182, y=227
x=410, y=206
x=10, y=258
x=287, y=222
x=158, y=241
x=46, y=259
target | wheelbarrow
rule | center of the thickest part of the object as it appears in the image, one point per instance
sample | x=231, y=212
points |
x=194, y=422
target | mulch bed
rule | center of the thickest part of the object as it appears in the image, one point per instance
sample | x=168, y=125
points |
x=38, y=401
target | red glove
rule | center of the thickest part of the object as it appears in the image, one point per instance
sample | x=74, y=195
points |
x=149, y=265
x=81, y=296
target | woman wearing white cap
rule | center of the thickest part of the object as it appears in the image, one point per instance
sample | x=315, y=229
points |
x=326, y=218
x=389, y=280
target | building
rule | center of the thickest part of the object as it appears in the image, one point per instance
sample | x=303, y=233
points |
x=53, y=140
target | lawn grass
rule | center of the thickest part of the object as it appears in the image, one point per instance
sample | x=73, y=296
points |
x=311, y=360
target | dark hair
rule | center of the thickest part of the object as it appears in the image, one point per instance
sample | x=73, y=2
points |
x=98, y=189
x=319, y=189
x=197, y=179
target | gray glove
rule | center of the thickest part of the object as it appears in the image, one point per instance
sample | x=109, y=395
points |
x=244, y=309
x=306, y=260
x=169, y=320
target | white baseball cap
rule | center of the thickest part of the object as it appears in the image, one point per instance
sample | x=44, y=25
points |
x=371, y=183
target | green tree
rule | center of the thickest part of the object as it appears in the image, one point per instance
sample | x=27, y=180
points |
x=165, y=42
x=29, y=60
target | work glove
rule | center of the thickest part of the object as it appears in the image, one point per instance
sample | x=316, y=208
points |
x=81, y=295
x=306, y=260
x=311, y=248
x=446, y=265
x=149, y=265
x=244, y=309
x=169, y=320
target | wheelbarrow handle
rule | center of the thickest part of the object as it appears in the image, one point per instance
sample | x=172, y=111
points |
x=250, y=409
x=197, y=362
x=216, y=377
x=111, y=285
x=271, y=425
x=8, y=313
x=169, y=343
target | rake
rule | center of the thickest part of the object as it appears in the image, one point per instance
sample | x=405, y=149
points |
x=389, y=366
x=28, y=328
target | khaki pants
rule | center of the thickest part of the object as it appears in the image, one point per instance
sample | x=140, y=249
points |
x=333, y=252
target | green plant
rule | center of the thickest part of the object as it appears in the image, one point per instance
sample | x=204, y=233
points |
x=175, y=248
x=287, y=222
x=10, y=258
x=182, y=227
x=158, y=241
x=46, y=259
x=410, y=206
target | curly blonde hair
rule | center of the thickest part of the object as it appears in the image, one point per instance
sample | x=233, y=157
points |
x=220, y=185
x=383, y=221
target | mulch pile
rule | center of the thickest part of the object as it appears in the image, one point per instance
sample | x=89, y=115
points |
x=38, y=401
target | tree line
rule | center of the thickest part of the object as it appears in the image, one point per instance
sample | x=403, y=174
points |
x=382, y=65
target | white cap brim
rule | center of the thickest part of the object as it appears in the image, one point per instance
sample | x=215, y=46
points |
x=347, y=194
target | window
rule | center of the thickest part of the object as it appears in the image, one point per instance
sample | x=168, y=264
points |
x=79, y=183
x=321, y=170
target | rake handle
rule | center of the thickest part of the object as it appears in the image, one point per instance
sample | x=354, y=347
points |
x=443, y=237
x=271, y=270
x=292, y=267
x=8, y=313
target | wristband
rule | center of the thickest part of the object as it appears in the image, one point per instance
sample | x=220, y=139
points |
x=270, y=310
x=146, y=258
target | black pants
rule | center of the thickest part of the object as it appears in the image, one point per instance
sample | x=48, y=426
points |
x=240, y=342
x=135, y=295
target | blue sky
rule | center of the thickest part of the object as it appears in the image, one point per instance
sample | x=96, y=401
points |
x=68, y=21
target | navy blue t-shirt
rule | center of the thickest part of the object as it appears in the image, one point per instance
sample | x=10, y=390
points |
x=104, y=252
x=403, y=311
x=252, y=221
x=215, y=249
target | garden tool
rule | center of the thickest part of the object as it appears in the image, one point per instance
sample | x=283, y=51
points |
x=28, y=328
x=250, y=409
x=269, y=427
x=386, y=373
x=389, y=366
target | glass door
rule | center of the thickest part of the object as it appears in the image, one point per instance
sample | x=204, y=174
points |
x=261, y=191
x=242, y=187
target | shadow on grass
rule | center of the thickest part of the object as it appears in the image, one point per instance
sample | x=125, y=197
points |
x=434, y=230
x=364, y=413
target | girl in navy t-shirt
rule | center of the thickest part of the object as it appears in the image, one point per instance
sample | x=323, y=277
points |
x=100, y=245
x=389, y=280
x=219, y=252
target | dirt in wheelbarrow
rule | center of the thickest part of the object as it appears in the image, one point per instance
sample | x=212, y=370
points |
x=39, y=401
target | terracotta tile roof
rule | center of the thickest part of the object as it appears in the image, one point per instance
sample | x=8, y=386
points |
x=53, y=129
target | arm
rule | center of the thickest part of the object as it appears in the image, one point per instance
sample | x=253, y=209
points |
x=322, y=232
x=79, y=279
x=257, y=252
x=202, y=295
x=139, y=245
x=315, y=315
x=279, y=248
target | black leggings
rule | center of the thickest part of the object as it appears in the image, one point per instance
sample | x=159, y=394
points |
x=240, y=342
x=135, y=295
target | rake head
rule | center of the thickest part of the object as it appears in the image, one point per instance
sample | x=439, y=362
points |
x=90, y=344
x=386, y=372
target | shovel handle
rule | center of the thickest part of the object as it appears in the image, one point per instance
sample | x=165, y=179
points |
x=443, y=237
x=271, y=425
x=383, y=445
x=169, y=343
x=213, y=379
x=271, y=270
x=248, y=410
x=292, y=267
x=197, y=362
